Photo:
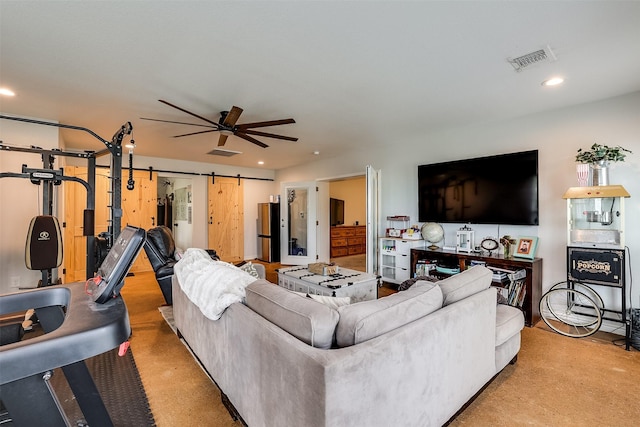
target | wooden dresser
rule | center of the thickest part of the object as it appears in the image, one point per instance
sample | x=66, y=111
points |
x=348, y=240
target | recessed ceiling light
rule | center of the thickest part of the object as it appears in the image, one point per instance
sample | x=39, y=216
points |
x=554, y=81
x=6, y=92
x=261, y=162
x=316, y=153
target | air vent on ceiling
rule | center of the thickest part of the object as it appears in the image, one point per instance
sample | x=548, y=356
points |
x=224, y=153
x=542, y=55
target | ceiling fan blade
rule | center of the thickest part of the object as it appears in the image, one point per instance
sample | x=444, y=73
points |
x=232, y=116
x=222, y=140
x=189, y=112
x=268, y=135
x=252, y=140
x=195, y=133
x=267, y=123
x=179, y=123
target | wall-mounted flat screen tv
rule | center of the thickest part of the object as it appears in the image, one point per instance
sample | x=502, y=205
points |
x=336, y=207
x=500, y=189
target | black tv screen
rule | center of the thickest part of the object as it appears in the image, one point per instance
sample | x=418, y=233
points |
x=336, y=211
x=500, y=189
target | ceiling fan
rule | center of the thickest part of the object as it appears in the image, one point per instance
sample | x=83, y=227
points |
x=227, y=126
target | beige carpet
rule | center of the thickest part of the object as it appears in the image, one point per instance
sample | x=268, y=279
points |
x=557, y=381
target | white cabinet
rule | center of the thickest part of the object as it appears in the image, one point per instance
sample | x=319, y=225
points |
x=395, y=258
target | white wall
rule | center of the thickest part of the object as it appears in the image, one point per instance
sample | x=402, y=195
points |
x=20, y=200
x=556, y=134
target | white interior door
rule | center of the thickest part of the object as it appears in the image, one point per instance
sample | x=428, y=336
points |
x=323, y=242
x=299, y=222
x=182, y=213
x=373, y=218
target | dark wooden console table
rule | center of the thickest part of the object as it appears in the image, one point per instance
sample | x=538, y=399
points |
x=533, y=281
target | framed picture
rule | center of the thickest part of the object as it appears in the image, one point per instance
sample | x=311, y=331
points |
x=526, y=247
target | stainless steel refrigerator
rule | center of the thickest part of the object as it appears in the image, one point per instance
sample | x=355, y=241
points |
x=269, y=232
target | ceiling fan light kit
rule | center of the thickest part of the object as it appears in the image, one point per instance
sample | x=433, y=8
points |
x=227, y=127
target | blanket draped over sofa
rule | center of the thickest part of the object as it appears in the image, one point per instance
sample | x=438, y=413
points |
x=211, y=285
x=410, y=359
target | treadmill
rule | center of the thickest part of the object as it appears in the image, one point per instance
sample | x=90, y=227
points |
x=80, y=320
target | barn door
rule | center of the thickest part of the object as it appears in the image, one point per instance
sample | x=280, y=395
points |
x=139, y=208
x=75, y=202
x=226, y=218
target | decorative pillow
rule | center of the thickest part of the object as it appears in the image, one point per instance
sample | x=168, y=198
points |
x=409, y=282
x=251, y=269
x=303, y=318
x=365, y=320
x=465, y=284
x=333, y=302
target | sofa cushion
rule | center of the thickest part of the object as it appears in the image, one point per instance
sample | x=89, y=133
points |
x=509, y=322
x=365, y=320
x=465, y=284
x=304, y=318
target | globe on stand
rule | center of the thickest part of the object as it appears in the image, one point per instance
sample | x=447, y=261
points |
x=433, y=233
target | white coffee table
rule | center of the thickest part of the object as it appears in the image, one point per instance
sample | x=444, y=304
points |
x=358, y=285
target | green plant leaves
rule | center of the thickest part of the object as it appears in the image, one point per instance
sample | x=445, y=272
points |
x=600, y=152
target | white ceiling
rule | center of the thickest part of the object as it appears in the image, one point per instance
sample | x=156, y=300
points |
x=354, y=75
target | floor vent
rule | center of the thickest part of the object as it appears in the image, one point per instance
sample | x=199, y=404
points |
x=224, y=153
x=524, y=61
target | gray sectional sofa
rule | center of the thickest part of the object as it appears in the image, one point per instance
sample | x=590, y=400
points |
x=413, y=358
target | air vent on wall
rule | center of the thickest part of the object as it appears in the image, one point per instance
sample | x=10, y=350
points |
x=223, y=152
x=542, y=55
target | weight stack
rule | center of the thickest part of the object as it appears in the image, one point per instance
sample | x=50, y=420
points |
x=635, y=328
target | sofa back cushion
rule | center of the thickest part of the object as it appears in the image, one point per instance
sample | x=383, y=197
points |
x=365, y=320
x=308, y=320
x=465, y=284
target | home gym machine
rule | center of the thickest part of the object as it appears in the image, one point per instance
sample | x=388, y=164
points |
x=76, y=325
x=49, y=178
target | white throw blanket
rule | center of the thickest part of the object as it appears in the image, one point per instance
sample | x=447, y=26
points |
x=211, y=285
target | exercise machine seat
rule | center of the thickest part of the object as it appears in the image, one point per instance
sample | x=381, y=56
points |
x=160, y=249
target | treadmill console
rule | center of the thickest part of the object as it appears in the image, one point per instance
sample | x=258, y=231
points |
x=113, y=270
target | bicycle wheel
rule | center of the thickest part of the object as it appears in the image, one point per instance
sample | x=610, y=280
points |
x=570, y=312
x=581, y=287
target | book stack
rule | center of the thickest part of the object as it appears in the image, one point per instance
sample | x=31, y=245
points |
x=500, y=275
x=511, y=286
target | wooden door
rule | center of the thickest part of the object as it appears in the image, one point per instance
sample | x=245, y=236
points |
x=140, y=208
x=226, y=218
x=75, y=202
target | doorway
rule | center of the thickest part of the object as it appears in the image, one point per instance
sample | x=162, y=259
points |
x=175, y=208
x=348, y=221
x=359, y=239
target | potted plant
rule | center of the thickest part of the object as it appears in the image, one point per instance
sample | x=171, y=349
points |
x=598, y=158
x=507, y=243
x=601, y=153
